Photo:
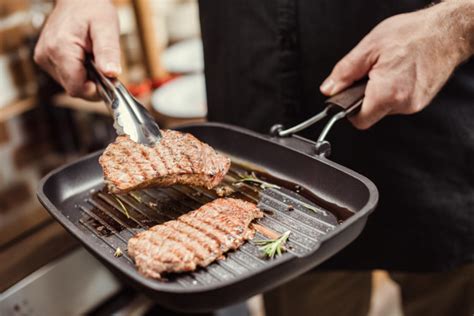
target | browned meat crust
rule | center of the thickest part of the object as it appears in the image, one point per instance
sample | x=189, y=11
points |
x=177, y=158
x=195, y=239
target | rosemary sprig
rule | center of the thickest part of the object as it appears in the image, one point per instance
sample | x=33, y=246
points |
x=313, y=208
x=272, y=247
x=252, y=178
x=122, y=206
x=136, y=197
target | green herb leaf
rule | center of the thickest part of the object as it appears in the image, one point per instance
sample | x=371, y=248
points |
x=273, y=247
x=122, y=206
x=136, y=197
x=252, y=178
x=313, y=208
x=118, y=252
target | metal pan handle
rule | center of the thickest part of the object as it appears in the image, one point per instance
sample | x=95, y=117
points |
x=343, y=104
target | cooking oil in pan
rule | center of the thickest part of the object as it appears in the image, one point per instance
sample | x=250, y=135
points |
x=143, y=209
x=340, y=212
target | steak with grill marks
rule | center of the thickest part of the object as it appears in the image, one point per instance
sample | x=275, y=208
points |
x=177, y=158
x=195, y=239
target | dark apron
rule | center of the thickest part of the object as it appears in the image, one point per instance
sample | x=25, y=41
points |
x=264, y=62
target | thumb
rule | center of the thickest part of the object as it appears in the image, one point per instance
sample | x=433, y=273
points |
x=352, y=67
x=106, y=46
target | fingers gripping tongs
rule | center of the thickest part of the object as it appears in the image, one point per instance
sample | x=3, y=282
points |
x=130, y=117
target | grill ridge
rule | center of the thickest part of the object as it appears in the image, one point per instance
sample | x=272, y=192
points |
x=153, y=206
x=99, y=205
x=104, y=223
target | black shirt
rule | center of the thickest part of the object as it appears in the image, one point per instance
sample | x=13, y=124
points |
x=264, y=62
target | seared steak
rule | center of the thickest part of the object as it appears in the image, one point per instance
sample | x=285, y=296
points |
x=195, y=239
x=177, y=158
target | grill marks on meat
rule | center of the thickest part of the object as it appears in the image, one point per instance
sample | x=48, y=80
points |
x=177, y=158
x=195, y=239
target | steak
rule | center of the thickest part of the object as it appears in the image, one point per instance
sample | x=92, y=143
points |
x=177, y=158
x=194, y=239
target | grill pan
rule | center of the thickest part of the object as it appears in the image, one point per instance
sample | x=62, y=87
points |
x=329, y=209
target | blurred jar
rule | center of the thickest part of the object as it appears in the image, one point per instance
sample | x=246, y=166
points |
x=183, y=21
x=175, y=20
x=8, y=87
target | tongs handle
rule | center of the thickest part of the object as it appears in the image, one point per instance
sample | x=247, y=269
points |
x=130, y=116
x=104, y=86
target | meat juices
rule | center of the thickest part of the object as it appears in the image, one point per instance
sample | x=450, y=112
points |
x=179, y=158
x=195, y=239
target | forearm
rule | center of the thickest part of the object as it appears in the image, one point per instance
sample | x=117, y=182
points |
x=457, y=16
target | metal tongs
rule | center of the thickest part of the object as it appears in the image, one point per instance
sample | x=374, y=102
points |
x=131, y=118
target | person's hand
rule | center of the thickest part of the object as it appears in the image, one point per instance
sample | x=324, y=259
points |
x=74, y=28
x=408, y=58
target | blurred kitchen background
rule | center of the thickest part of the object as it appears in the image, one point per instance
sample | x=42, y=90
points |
x=42, y=128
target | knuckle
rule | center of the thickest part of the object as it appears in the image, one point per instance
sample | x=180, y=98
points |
x=399, y=98
x=51, y=49
x=418, y=106
x=73, y=91
x=414, y=107
x=38, y=55
x=347, y=62
x=54, y=47
x=343, y=66
x=109, y=52
x=385, y=107
x=382, y=103
x=403, y=51
x=399, y=95
x=361, y=125
x=373, y=47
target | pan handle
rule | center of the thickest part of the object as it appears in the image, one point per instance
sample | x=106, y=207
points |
x=343, y=104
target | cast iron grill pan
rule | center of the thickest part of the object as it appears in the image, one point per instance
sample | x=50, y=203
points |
x=76, y=197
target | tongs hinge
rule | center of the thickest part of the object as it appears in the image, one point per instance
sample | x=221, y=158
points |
x=130, y=117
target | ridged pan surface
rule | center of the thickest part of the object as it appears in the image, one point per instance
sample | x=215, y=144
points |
x=320, y=226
